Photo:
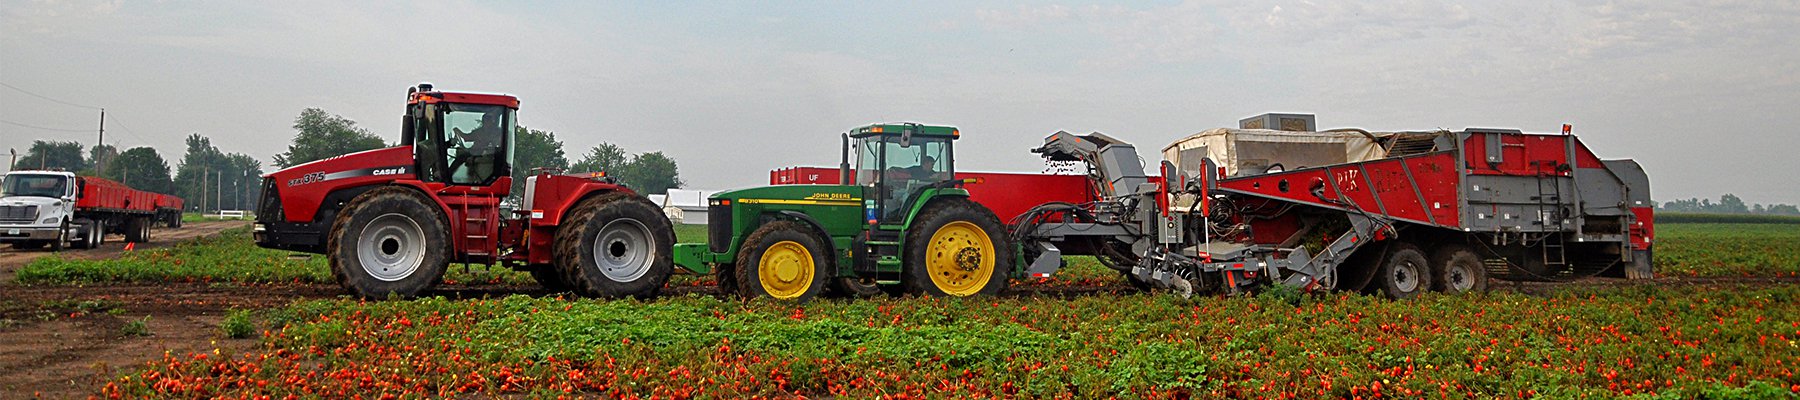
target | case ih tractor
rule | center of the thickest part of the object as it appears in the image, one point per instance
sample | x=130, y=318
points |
x=906, y=223
x=391, y=220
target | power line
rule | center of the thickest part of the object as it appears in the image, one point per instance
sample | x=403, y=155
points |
x=47, y=97
x=2, y=121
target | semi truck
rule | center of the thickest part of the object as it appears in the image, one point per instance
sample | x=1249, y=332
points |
x=58, y=209
x=390, y=221
x=1228, y=210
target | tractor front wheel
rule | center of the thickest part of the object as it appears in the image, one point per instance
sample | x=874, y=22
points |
x=615, y=246
x=386, y=242
x=783, y=260
x=957, y=248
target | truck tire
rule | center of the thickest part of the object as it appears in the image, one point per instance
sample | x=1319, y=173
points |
x=90, y=235
x=62, y=238
x=145, y=223
x=615, y=246
x=957, y=248
x=136, y=230
x=388, y=242
x=783, y=260
x=1404, y=273
x=1457, y=269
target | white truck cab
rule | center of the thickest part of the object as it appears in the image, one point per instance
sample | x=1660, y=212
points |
x=37, y=209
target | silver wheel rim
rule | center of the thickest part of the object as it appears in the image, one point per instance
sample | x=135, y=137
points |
x=391, y=247
x=1405, y=276
x=1461, y=279
x=622, y=250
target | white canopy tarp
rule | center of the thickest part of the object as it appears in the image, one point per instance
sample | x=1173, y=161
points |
x=1254, y=151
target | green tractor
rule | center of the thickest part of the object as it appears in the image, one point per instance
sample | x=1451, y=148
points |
x=905, y=225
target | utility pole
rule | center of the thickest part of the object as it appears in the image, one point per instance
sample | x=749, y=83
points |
x=100, y=157
x=15, y=160
x=203, y=172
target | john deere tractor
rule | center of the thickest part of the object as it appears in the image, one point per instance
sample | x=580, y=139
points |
x=904, y=225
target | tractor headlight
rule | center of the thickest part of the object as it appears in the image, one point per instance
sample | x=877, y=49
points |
x=50, y=220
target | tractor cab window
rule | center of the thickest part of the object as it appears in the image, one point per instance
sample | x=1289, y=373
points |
x=898, y=169
x=53, y=186
x=476, y=142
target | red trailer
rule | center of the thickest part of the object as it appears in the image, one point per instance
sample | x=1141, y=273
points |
x=57, y=209
x=1007, y=194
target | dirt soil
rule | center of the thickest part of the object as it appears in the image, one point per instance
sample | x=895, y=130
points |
x=67, y=342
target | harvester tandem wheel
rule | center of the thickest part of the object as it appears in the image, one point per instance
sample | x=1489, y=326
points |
x=1457, y=269
x=389, y=241
x=783, y=260
x=957, y=248
x=615, y=246
x=1404, y=273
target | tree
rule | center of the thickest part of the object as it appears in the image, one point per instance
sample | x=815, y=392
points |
x=53, y=155
x=651, y=173
x=141, y=168
x=217, y=180
x=323, y=135
x=534, y=149
x=99, y=154
x=604, y=157
x=648, y=173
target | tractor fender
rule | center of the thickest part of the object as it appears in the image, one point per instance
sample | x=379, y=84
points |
x=337, y=199
x=931, y=196
x=818, y=228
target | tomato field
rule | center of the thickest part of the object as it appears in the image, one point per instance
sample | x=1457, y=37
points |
x=1721, y=323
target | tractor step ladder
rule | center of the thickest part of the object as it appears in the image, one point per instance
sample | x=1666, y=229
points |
x=1550, y=215
x=477, y=219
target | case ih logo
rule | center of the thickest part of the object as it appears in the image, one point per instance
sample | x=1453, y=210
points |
x=305, y=179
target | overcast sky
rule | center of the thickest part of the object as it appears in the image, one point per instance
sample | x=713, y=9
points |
x=1706, y=95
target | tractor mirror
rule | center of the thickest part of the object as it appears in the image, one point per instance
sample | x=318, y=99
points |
x=906, y=136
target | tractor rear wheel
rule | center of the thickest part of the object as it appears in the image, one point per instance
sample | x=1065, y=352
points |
x=1404, y=273
x=783, y=260
x=1457, y=269
x=957, y=248
x=615, y=246
x=388, y=242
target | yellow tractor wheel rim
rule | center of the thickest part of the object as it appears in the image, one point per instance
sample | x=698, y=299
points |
x=785, y=270
x=960, y=258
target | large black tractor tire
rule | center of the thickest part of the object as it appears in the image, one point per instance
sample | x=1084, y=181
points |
x=549, y=277
x=783, y=260
x=1404, y=273
x=853, y=287
x=725, y=275
x=389, y=242
x=615, y=246
x=957, y=248
x=1457, y=269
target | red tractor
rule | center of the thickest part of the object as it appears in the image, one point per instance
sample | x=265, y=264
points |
x=392, y=220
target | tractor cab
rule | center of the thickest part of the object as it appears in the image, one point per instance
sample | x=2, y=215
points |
x=895, y=163
x=461, y=139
